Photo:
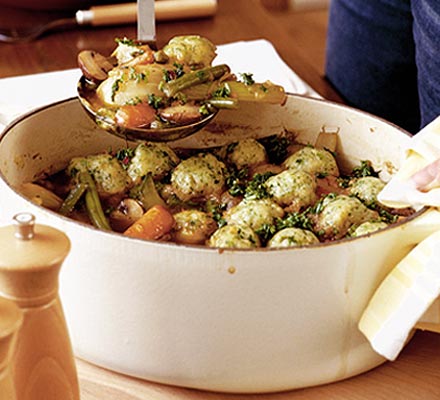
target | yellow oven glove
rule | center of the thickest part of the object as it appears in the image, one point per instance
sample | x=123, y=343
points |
x=408, y=297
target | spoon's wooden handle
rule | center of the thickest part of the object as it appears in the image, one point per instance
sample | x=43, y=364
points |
x=164, y=10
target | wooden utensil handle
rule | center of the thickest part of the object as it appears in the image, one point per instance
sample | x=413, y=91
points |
x=164, y=10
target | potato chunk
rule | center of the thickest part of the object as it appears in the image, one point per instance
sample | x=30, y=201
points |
x=131, y=85
x=193, y=227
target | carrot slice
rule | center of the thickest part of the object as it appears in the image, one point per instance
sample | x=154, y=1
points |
x=134, y=116
x=155, y=223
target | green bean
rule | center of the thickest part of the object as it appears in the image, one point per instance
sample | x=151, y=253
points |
x=93, y=203
x=258, y=92
x=195, y=78
x=72, y=199
x=147, y=193
x=223, y=102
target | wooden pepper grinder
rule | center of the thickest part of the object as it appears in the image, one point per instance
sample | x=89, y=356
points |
x=30, y=260
x=11, y=318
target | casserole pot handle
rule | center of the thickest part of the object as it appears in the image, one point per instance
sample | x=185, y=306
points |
x=409, y=296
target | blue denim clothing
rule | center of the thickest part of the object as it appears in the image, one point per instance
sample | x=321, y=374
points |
x=383, y=56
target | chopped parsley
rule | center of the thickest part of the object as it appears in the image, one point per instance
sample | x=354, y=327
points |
x=216, y=210
x=295, y=220
x=178, y=70
x=255, y=189
x=319, y=206
x=134, y=101
x=155, y=101
x=236, y=182
x=299, y=220
x=265, y=232
x=171, y=74
x=222, y=91
x=126, y=41
x=115, y=87
x=205, y=109
x=137, y=76
x=124, y=156
x=276, y=148
x=247, y=79
x=365, y=169
x=387, y=217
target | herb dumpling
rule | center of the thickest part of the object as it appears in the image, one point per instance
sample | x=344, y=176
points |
x=339, y=214
x=366, y=189
x=254, y=213
x=152, y=158
x=193, y=227
x=296, y=189
x=192, y=50
x=234, y=236
x=290, y=237
x=318, y=162
x=198, y=176
x=107, y=172
x=245, y=153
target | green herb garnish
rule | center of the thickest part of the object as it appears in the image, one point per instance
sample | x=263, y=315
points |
x=256, y=189
x=247, y=78
x=155, y=101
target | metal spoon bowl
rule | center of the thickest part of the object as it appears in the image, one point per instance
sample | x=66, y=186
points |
x=87, y=98
x=87, y=93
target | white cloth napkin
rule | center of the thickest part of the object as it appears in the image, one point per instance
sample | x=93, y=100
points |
x=259, y=57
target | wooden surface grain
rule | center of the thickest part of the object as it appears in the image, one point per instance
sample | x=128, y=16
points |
x=300, y=40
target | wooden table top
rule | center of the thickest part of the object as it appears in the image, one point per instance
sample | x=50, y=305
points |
x=300, y=40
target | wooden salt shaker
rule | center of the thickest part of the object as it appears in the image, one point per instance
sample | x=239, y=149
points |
x=11, y=318
x=43, y=367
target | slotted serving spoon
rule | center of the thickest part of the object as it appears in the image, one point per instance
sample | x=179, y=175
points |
x=146, y=32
